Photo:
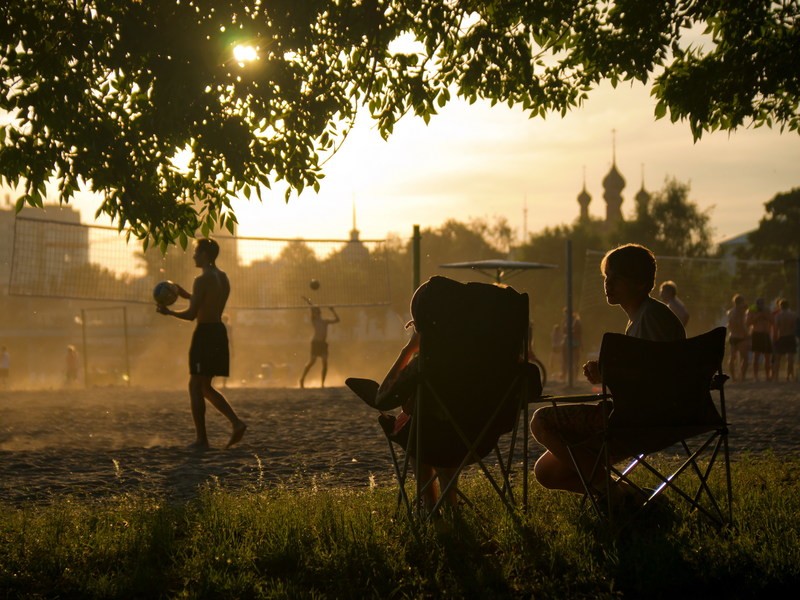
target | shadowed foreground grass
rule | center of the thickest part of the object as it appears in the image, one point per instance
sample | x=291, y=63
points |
x=347, y=544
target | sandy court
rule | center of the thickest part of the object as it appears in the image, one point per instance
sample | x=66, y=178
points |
x=107, y=441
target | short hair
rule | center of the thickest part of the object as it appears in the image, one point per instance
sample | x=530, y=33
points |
x=669, y=286
x=784, y=303
x=633, y=262
x=209, y=247
x=738, y=299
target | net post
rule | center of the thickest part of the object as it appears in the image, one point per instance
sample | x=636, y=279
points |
x=85, y=352
x=568, y=356
x=416, y=256
x=127, y=348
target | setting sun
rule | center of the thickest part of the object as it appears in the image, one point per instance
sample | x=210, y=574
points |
x=244, y=54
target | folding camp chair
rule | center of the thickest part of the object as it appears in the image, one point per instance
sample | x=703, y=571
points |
x=661, y=396
x=472, y=383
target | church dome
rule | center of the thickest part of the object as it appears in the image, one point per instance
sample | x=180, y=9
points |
x=613, y=181
x=642, y=197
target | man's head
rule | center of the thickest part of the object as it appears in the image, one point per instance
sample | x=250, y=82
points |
x=206, y=251
x=629, y=273
x=784, y=304
x=738, y=300
x=668, y=290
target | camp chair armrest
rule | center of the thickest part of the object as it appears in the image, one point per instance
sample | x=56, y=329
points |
x=575, y=399
x=718, y=381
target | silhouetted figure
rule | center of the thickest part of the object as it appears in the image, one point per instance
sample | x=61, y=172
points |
x=473, y=348
x=319, y=342
x=209, y=353
x=5, y=367
x=785, y=339
x=738, y=337
x=669, y=296
x=628, y=278
x=759, y=322
x=72, y=366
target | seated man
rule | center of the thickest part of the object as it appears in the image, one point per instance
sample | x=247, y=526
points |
x=629, y=276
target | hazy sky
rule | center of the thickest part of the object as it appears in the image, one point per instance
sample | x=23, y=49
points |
x=482, y=161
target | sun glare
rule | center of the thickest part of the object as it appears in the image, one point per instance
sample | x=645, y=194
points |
x=245, y=54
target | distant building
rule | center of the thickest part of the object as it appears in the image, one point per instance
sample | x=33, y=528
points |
x=613, y=185
x=355, y=250
x=50, y=250
x=729, y=249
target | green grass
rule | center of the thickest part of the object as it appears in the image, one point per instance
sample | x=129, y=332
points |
x=282, y=543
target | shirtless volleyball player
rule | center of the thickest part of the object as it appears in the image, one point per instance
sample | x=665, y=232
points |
x=208, y=354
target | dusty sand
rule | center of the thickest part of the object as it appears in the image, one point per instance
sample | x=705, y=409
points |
x=109, y=441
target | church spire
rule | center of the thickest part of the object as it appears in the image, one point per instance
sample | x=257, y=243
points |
x=613, y=184
x=354, y=233
x=584, y=199
x=642, y=199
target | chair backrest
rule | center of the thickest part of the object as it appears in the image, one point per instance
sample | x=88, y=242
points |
x=473, y=340
x=662, y=385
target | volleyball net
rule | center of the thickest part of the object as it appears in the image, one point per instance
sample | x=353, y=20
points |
x=55, y=259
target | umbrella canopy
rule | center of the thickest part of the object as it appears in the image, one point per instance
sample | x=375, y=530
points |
x=498, y=269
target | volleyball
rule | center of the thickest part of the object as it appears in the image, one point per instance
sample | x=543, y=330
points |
x=165, y=293
x=314, y=284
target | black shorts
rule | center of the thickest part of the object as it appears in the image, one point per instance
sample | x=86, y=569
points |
x=760, y=342
x=319, y=348
x=209, y=354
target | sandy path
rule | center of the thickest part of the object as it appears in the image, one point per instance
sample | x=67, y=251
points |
x=111, y=441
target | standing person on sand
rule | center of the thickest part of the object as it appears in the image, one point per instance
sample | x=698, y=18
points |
x=738, y=337
x=319, y=342
x=209, y=353
x=785, y=340
x=668, y=292
x=759, y=321
x=5, y=367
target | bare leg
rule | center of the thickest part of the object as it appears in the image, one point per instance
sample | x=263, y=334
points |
x=324, y=370
x=221, y=404
x=756, y=357
x=744, y=354
x=198, y=405
x=306, y=369
x=445, y=477
x=555, y=469
x=554, y=474
x=790, y=367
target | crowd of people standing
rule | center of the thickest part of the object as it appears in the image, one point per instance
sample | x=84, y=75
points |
x=767, y=335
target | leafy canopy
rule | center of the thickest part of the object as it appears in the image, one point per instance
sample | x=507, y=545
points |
x=778, y=233
x=104, y=95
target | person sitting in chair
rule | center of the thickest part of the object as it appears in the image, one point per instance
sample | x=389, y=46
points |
x=400, y=384
x=629, y=276
x=436, y=318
